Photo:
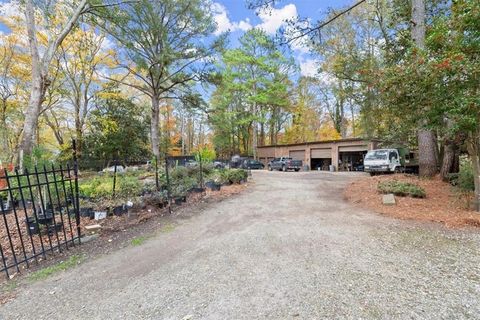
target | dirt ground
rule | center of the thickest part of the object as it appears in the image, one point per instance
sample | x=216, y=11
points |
x=442, y=204
x=289, y=247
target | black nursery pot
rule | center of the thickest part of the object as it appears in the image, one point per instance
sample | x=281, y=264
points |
x=180, y=200
x=46, y=217
x=28, y=205
x=7, y=207
x=51, y=229
x=213, y=186
x=197, y=190
x=162, y=203
x=86, y=212
x=120, y=210
x=32, y=227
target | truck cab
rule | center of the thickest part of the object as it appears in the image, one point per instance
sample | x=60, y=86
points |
x=285, y=164
x=383, y=161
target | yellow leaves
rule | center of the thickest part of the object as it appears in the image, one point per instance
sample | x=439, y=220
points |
x=109, y=95
x=328, y=132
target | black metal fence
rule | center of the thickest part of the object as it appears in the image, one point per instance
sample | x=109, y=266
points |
x=40, y=215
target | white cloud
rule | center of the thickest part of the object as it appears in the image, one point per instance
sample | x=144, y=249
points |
x=220, y=15
x=10, y=9
x=299, y=46
x=273, y=19
x=308, y=67
x=326, y=79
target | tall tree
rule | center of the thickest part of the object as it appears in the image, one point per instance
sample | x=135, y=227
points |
x=427, y=141
x=41, y=59
x=163, y=47
x=254, y=84
x=82, y=56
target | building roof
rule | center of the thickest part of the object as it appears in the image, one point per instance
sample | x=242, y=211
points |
x=319, y=142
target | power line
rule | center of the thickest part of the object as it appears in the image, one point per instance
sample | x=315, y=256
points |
x=323, y=24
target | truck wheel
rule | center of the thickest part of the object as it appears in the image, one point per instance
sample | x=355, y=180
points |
x=284, y=169
x=372, y=174
x=296, y=170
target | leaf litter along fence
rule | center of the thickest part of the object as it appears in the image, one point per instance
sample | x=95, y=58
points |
x=40, y=215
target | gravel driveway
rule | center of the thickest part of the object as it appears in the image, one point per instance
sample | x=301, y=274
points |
x=289, y=247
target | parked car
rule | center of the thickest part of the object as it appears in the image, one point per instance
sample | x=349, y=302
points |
x=120, y=169
x=284, y=164
x=237, y=161
x=252, y=164
x=191, y=163
x=218, y=165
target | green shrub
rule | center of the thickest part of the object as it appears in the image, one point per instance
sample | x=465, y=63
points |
x=181, y=187
x=179, y=173
x=156, y=198
x=128, y=186
x=401, y=189
x=149, y=187
x=97, y=187
x=465, y=179
x=234, y=175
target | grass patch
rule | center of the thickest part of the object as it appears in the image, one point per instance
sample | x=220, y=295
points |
x=168, y=228
x=10, y=285
x=138, y=241
x=61, y=266
x=401, y=189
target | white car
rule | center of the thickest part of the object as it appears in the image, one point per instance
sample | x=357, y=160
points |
x=120, y=169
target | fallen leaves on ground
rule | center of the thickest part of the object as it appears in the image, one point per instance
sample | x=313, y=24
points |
x=442, y=203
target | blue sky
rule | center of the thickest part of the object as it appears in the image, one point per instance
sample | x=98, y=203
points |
x=234, y=16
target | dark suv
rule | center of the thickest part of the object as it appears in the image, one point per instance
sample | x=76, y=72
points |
x=252, y=164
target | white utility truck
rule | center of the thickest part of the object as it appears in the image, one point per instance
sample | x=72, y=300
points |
x=389, y=161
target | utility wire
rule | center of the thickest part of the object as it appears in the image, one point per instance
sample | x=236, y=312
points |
x=323, y=24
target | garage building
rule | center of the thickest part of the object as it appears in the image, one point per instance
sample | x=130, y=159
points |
x=344, y=154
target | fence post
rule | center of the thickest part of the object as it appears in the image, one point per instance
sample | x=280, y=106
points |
x=114, y=178
x=201, y=169
x=77, y=195
x=157, y=183
x=167, y=175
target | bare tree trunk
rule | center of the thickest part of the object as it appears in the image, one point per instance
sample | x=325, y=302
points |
x=4, y=137
x=418, y=20
x=255, y=134
x=78, y=130
x=154, y=126
x=427, y=148
x=40, y=68
x=448, y=160
x=261, y=142
x=473, y=146
x=427, y=157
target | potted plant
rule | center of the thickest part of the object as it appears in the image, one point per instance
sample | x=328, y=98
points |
x=212, y=185
x=87, y=212
x=120, y=210
x=196, y=190
x=52, y=228
x=32, y=225
x=44, y=216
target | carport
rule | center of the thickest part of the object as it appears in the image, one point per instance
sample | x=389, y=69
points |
x=351, y=157
x=320, y=158
x=343, y=154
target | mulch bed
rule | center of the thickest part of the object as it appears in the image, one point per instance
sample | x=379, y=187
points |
x=442, y=203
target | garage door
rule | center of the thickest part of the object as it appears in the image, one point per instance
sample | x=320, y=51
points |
x=322, y=153
x=353, y=148
x=297, y=154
